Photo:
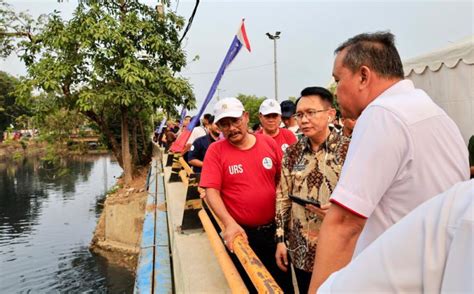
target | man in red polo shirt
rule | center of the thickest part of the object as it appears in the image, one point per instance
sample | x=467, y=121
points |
x=270, y=119
x=240, y=175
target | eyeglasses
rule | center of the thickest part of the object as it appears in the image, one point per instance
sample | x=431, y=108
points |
x=227, y=123
x=308, y=114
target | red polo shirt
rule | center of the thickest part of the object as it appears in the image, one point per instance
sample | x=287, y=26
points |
x=246, y=179
x=284, y=138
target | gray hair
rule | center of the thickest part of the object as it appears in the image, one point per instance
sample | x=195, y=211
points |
x=374, y=50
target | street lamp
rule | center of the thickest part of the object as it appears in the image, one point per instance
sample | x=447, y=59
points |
x=275, y=38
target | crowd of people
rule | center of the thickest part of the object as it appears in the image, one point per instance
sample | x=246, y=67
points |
x=332, y=198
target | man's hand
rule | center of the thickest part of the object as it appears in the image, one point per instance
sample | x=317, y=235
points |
x=321, y=212
x=338, y=236
x=281, y=256
x=231, y=231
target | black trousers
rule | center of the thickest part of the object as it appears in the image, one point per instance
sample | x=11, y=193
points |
x=303, y=278
x=262, y=242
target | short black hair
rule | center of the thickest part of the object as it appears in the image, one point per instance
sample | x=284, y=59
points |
x=207, y=116
x=255, y=126
x=210, y=118
x=321, y=92
x=374, y=50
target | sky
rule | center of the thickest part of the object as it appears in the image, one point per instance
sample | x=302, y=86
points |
x=310, y=31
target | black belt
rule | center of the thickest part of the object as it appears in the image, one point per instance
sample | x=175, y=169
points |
x=260, y=228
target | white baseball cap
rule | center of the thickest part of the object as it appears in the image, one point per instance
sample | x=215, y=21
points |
x=228, y=107
x=270, y=106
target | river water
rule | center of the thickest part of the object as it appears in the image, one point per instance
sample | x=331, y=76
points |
x=46, y=224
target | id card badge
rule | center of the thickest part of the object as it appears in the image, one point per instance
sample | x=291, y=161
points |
x=299, y=167
x=298, y=171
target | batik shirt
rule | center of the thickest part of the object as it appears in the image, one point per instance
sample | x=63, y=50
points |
x=311, y=175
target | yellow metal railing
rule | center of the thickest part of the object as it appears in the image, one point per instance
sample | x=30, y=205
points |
x=236, y=284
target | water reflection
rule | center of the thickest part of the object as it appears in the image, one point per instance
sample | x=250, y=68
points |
x=46, y=224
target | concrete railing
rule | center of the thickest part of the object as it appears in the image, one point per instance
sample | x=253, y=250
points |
x=154, y=266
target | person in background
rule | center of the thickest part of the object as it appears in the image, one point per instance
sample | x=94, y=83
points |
x=288, y=109
x=198, y=132
x=240, y=175
x=256, y=127
x=348, y=125
x=169, y=135
x=430, y=250
x=200, y=145
x=270, y=119
x=404, y=150
x=310, y=170
x=205, y=120
x=184, y=125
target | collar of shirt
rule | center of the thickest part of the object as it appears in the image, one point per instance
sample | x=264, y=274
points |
x=399, y=87
x=326, y=145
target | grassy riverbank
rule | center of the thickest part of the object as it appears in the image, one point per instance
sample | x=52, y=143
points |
x=20, y=149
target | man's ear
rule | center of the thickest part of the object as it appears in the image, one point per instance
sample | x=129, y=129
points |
x=365, y=75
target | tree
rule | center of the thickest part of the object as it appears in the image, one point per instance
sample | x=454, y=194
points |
x=252, y=105
x=14, y=27
x=114, y=61
x=9, y=109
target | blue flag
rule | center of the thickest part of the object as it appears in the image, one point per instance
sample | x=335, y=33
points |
x=183, y=115
x=162, y=125
x=240, y=39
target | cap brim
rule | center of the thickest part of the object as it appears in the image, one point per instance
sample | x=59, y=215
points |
x=287, y=114
x=236, y=113
x=271, y=112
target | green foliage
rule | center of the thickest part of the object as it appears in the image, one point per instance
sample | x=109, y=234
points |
x=112, y=190
x=332, y=88
x=109, y=59
x=15, y=28
x=17, y=155
x=23, y=144
x=251, y=104
x=58, y=125
x=9, y=107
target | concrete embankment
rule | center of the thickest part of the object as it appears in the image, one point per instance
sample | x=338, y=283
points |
x=118, y=232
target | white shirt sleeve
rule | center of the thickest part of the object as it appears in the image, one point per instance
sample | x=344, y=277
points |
x=428, y=251
x=196, y=133
x=377, y=157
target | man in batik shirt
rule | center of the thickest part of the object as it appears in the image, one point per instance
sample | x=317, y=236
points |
x=310, y=170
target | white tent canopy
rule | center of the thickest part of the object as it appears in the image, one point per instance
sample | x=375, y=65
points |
x=447, y=75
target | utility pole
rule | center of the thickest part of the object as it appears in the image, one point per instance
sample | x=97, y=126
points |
x=275, y=37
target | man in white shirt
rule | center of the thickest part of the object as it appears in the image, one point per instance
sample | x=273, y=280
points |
x=198, y=132
x=430, y=250
x=404, y=151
